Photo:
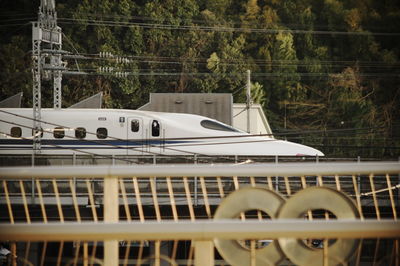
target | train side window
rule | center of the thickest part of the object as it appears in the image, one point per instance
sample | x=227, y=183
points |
x=135, y=125
x=58, y=132
x=80, y=133
x=16, y=132
x=101, y=133
x=155, y=128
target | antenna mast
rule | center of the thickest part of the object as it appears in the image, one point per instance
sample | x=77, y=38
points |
x=248, y=99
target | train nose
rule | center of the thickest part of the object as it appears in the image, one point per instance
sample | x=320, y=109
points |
x=295, y=149
x=308, y=151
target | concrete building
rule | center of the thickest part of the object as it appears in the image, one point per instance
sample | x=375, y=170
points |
x=218, y=106
x=258, y=121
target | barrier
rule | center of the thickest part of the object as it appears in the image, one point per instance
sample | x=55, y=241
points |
x=185, y=196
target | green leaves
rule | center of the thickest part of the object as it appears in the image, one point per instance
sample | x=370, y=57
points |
x=213, y=62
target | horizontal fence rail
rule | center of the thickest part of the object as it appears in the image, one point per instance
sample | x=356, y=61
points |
x=171, y=214
x=283, y=169
x=201, y=230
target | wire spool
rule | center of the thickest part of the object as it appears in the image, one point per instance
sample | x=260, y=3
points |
x=240, y=201
x=317, y=198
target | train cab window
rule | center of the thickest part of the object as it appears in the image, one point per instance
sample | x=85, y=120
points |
x=16, y=132
x=80, y=133
x=155, y=128
x=135, y=125
x=101, y=133
x=217, y=126
x=58, y=132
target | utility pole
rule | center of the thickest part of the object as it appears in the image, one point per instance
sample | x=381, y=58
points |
x=47, y=64
x=248, y=100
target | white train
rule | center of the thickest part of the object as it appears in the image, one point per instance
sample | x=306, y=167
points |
x=131, y=132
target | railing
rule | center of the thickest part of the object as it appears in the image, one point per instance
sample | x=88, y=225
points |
x=75, y=159
x=155, y=211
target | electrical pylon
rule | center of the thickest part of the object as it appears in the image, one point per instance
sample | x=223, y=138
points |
x=47, y=63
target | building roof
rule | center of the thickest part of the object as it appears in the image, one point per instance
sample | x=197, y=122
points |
x=214, y=105
x=12, y=102
x=91, y=102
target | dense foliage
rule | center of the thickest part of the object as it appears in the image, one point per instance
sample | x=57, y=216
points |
x=326, y=71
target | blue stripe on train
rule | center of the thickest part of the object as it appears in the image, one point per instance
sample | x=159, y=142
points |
x=62, y=142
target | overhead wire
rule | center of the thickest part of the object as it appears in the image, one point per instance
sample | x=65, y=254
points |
x=231, y=20
x=285, y=133
x=168, y=147
x=17, y=19
x=124, y=66
x=258, y=75
x=109, y=23
x=139, y=142
x=86, y=140
x=261, y=75
x=63, y=147
x=14, y=14
x=15, y=24
x=158, y=57
x=73, y=47
x=225, y=62
x=245, y=135
x=83, y=150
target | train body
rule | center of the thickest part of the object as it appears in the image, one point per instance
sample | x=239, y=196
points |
x=133, y=132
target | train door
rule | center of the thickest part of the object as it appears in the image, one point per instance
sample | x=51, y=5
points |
x=135, y=136
x=156, y=137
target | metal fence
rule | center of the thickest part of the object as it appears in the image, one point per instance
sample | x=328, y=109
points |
x=172, y=214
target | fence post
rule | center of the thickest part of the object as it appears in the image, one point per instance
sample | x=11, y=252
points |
x=204, y=253
x=111, y=215
x=33, y=180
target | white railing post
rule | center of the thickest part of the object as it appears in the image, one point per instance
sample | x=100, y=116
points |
x=111, y=215
x=204, y=253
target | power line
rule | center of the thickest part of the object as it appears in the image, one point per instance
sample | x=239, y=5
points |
x=171, y=147
x=173, y=75
x=109, y=23
x=15, y=24
x=282, y=134
x=62, y=147
x=88, y=132
x=17, y=19
x=288, y=27
x=231, y=20
x=265, y=75
x=175, y=147
x=204, y=61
